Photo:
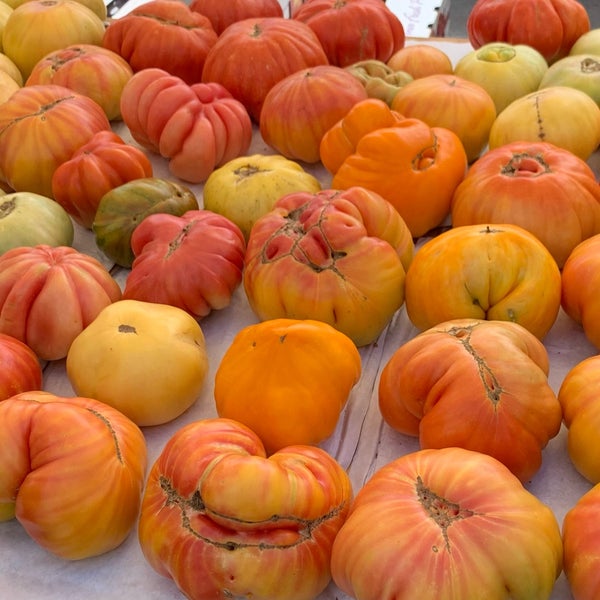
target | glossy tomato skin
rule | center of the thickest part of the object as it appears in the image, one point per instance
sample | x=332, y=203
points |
x=474, y=384
x=41, y=126
x=581, y=549
x=20, y=369
x=120, y=358
x=578, y=395
x=223, y=520
x=545, y=189
x=88, y=69
x=29, y=219
x=49, y=294
x=165, y=35
x=193, y=261
x=97, y=167
x=78, y=494
x=458, y=525
x=353, y=30
x=337, y=256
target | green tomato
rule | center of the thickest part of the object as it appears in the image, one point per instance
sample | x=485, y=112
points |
x=29, y=219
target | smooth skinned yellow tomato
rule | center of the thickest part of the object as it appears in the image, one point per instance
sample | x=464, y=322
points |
x=288, y=380
x=449, y=524
x=71, y=471
x=147, y=360
x=247, y=187
x=224, y=521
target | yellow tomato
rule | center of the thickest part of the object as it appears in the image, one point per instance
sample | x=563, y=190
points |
x=147, y=360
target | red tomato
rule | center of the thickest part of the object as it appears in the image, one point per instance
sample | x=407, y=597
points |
x=20, y=369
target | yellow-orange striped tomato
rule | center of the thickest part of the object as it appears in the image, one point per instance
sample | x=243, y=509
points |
x=223, y=520
x=71, y=471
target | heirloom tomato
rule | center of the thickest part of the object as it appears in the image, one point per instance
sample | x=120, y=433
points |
x=97, y=167
x=475, y=384
x=193, y=261
x=247, y=187
x=165, y=35
x=353, y=30
x=41, y=126
x=288, y=380
x=549, y=26
x=545, y=189
x=338, y=256
x=28, y=219
x=223, y=14
x=38, y=27
x=8, y=86
x=467, y=110
x=420, y=60
x=124, y=207
x=196, y=127
x=20, y=369
x=587, y=43
x=559, y=115
x=71, y=472
x=88, y=69
x=253, y=54
x=412, y=165
x=581, y=532
x=458, y=525
x=147, y=360
x=495, y=272
x=299, y=109
x=48, y=295
x=581, y=287
x=379, y=80
x=578, y=396
x=506, y=71
x=581, y=71
x=223, y=520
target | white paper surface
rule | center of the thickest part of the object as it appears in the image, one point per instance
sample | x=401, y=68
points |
x=362, y=443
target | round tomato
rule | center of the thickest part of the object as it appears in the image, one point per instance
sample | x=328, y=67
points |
x=28, y=219
x=447, y=524
x=581, y=71
x=77, y=494
x=223, y=14
x=20, y=369
x=223, y=520
x=121, y=359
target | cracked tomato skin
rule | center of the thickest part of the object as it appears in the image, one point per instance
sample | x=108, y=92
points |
x=475, y=384
x=71, y=472
x=458, y=524
x=224, y=521
x=337, y=256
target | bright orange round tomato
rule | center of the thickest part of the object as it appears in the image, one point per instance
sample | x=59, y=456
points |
x=288, y=380
x=77, y=494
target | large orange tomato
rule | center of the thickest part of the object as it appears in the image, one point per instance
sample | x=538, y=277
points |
x=96, y=168
x=496, y=272
x=163, y=34
x=581, y=532
x=41, y=126
x=196, y=127
x=545, y=189
x=578, y=396
x=288, y=380
x=223, y=520
x=253, y=54
x=467, y=110
x=549, y=26
x=581, y=287
x=21, y=370
x=412, y=165
x=48, y=295
x=300, y=108
x=353, y=30
x=223, y=14
x=475, y=384
x=71, y=471
x=337, y=256
x=448, y=524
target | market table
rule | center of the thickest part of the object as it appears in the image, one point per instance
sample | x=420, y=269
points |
x=362, y=442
